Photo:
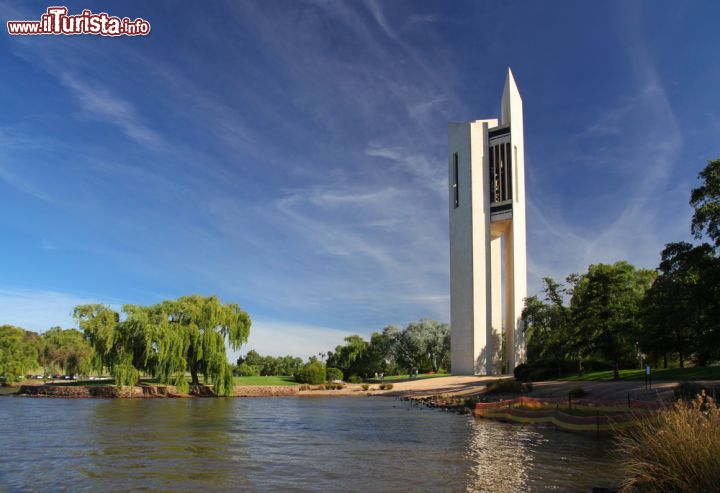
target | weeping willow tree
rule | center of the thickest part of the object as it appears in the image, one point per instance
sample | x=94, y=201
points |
x=99, y=324
x=121, y=347
x=168, y=340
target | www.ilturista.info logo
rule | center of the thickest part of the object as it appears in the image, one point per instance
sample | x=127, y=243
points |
x=57, y=21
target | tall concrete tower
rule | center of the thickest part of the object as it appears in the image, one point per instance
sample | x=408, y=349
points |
x=488, y=273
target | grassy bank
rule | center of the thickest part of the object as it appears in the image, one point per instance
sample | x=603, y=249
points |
x=272, y=380
x=703, y=373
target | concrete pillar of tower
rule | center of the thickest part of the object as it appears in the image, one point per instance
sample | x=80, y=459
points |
x=509, y=301
x=495, y=345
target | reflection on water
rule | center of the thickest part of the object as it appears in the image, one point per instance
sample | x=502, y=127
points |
x=508, y=458
x=282, y=444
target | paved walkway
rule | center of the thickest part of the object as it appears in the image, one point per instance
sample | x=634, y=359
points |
x=469, y=385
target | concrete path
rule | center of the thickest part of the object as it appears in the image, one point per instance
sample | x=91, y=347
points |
x=469, y=385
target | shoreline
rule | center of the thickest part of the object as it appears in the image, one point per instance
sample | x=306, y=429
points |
x=436, y=392
x=170, y=392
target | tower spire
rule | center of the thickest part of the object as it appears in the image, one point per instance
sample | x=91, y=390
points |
x=511, y=95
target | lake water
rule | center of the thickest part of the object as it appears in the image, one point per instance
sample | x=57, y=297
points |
x=291, y=444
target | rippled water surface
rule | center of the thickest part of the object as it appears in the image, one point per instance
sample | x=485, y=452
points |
x=282, y=444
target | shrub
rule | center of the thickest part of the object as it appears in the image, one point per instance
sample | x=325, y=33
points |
x=591, y=365
x=365, y=386
x=539, y=370
x=540, y=374
x=333, y=374
x=507, y=387
x=245, y=370
x=354, y=379
x=674, y=450
x=577, y=392
x=334, y=386
x=386, y=386
x=521, y=372
x=313, y=372
x=689, y=390
x=305, y=387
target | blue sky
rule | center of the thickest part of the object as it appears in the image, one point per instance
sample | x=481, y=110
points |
x=290, y=156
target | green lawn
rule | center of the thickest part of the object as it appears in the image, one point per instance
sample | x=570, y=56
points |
x=403, y=378
x=286, y=380
x=704, y=373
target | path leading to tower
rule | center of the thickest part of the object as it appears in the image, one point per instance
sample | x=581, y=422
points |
x=470, y=385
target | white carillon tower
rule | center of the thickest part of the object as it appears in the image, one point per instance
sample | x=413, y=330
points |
x=488, y=273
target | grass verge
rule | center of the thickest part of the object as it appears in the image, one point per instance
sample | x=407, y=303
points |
x=701, y=373
x=271, y=380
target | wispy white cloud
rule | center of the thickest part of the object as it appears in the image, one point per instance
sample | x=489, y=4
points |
x=427, y=171
x=423, y=18
x=38, y=310
x=646, y=215
x=101, y=104
x=22, y=184
x=379, y=16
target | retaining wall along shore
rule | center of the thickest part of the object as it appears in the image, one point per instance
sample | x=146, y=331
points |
x=149, y=391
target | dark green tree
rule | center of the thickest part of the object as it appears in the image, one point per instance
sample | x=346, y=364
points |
x=67, y=350
x=705, y=199
x=19, y=350
x=605, y=308
x=312, y=372
x=381, y=353
x=548, y=327
x=252, y=358
x=350, y=357
x=269, y=365
x=675, y=308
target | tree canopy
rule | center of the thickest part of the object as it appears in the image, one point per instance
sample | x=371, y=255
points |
x=422, y=345
x=606, y=309
x=548, y=327
x=167, y=340
x=67, y=350
x=673, y=309
x=705, y=200
x=255, y=364
x=19, y=350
